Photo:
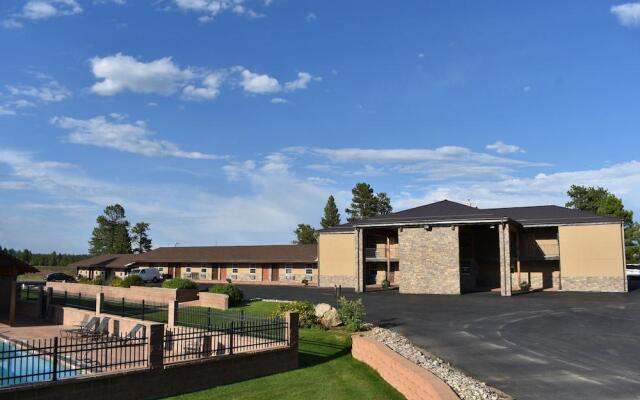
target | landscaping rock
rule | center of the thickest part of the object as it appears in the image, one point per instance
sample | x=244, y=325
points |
x=465, y=386
x=321, y=309
x=331, y=319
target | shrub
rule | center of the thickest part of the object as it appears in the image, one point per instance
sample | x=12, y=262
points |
x=95, y=281
x=132, y=280
x=179, y=283
x=305, y=282
x=305, y=309
x=115, y=282
x=85, y=281
x=351, y=313
x=235, y=294
x=525, y=286
x=386, y=284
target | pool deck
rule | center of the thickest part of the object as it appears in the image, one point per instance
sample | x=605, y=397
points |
x=26, y=329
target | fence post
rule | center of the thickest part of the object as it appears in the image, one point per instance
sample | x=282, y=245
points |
x=65, y=298
x=122, y=307
x=41, y=302
x=49, y=299
x=54, y=369
x=291, y=320
x=172, y=313
x=208, y=318
x=156, y=346
x=231, y=338
x=99, y=302
x=143, y=309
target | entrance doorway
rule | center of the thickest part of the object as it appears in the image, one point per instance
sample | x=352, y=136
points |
x=275, y=273
x=479, y=258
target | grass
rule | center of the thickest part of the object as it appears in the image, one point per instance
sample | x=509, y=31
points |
x=44, y=271
x=327, y=372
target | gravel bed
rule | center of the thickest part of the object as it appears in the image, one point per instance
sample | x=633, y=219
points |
x=465, y=386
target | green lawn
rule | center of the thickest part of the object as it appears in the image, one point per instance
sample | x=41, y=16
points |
x=327, y=372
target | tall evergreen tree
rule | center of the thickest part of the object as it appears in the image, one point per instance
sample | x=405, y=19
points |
x=383, y=204
x=140, y=239
x=111, y=235
x=331, y=214
x=363, y=204
x=305, y=234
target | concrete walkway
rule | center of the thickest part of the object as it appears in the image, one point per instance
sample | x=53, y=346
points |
x=536, y=346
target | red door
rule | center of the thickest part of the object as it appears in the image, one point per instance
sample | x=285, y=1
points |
x=266, y=273
x=275, y=272
x=223, y=273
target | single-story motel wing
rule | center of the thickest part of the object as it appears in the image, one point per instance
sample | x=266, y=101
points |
x=439, y=248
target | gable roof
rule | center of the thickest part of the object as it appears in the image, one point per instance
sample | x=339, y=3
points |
x=266, y=254
x=451, y=212
x=11, y=266
x=107, y=261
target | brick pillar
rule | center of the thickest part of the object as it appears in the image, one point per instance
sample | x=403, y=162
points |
x=99, y=302
x=49, y=300
x=291, y=319
x=173, y=313
x=13, y=301
x=505, y=260
x=155, y=346
x=41, y=302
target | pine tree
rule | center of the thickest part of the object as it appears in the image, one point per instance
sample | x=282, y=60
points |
x=305, y=234
x=383, y=204
x=140, y=237
x=331, y=214
x=363, y=204
x=111, y=235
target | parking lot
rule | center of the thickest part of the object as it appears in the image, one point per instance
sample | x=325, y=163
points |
x=548, y=345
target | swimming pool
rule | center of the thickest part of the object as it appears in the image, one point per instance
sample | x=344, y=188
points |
x=18, y=366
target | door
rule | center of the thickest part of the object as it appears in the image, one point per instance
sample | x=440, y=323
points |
x=275, y=272
x=266, y=273
x=223, y=273
x=215, y=270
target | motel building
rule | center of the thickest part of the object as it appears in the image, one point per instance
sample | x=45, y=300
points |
x=439, y=248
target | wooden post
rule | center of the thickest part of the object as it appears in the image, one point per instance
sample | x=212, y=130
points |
x=388, y=273
x=518, y=256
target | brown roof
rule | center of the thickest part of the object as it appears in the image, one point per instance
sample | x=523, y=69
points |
x=11, y=266
x=106, y=261
x=288, y=253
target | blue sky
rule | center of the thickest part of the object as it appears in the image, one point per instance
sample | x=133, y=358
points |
x=230, y=121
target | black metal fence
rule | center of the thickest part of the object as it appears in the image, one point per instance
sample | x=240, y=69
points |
x=210, y=318
x=56, y=358
x=143, y=310
x=76, y=300
x=29, y=293
x=187, y=342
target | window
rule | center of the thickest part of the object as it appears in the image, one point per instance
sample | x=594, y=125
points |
x=234, y=268
x=288, y=269
x=308, y=271
x=252, y=269
x=188, y=269
x=203, y=270
x=161, y=269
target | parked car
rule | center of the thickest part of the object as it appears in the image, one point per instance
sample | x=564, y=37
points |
x=633, y=271
x=150, y=274
x=60, y=277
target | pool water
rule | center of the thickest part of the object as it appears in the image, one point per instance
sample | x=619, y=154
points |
x=23, y=366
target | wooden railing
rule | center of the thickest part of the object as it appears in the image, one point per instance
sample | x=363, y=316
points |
x=382, y=252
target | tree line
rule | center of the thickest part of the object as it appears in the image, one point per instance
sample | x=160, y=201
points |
x=365, y=203
x=52, y=259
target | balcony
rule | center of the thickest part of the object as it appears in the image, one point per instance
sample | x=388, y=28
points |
x=382, y=253
x=541, y=250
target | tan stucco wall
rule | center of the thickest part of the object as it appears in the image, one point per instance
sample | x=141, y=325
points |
x=337, y=262
x=592, y=257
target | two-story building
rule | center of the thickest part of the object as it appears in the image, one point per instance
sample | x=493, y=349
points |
x=450, y=248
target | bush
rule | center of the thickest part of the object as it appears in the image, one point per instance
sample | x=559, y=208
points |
x=132, y=280
x=305, y=282
x=115, y=282
x=305, y=309
x=235, y=294
x=94, y=281
x=179, y=283
x=351, y=313
x=386, y=284
x=525, y=286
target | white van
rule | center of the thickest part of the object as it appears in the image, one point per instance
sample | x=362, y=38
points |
x=150, y=274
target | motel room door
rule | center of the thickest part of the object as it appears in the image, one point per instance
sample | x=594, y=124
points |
x=223, y=273
x=275, y=273
x=266, y=272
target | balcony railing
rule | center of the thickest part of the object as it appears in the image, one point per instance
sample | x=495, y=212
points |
x=382, y=252
x=541, y=251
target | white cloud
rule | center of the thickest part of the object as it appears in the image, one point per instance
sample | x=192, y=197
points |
x=49, y=92
x=259, y=83
x=42, y=9
x=121, y=72
x=628, y=13
x=132, y=138
x=311, y=17
x=209, y=9
x=11, y=23
x=210, y=88
x=503, y=148
x=421, y=55
x=279, y=100
x=526, y=89
x=301, y=82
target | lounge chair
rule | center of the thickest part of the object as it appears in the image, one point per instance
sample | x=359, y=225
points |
x=101, y=331
x=88, y=326
x=133, y=333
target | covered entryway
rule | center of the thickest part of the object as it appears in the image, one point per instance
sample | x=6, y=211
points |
x=479, y=258
x=10, y=268
x=381, y=257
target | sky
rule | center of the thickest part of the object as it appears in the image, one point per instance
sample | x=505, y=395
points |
x=231, y=121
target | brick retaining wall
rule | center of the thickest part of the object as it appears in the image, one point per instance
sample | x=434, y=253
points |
x=213, y=300
x=414, y=382
x=155, y=294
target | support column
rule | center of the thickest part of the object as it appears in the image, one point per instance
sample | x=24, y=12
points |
x=360, y=286
x=388, y=272
x=13, y=301
x=505, y=260
x=99, y=302
x=518, y=257
x=155, y=346
x=172, y=312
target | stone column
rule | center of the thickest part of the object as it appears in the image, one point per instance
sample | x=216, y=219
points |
x=505, y=260
x=291, y=318
x=172, y=312
x=360, y=259
x=155, y=346
x=13, y=301
x=99, y=302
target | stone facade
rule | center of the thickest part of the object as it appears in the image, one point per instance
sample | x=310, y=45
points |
x=337, y=280
x=504, y=240
x=593, y=283
x=429, y=260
